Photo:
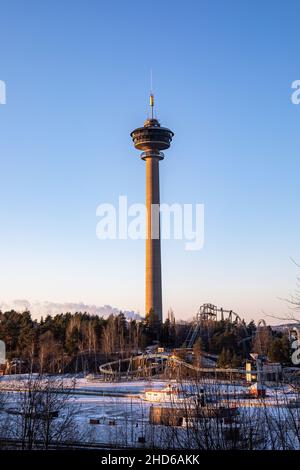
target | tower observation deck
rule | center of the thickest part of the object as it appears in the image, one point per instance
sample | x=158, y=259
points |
x=152, y=139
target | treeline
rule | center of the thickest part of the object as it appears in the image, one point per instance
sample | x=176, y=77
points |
x=74, y=342
x=53, y=343
x=233, y=342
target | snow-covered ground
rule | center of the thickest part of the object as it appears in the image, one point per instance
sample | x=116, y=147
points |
x=121, y=413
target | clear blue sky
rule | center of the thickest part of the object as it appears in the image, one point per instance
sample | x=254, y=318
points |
x=77, y=76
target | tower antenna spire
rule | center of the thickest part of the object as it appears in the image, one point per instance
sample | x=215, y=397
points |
x=151, y=94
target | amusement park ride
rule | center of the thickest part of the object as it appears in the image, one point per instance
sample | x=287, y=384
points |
x=158, y=362
x=205, y=317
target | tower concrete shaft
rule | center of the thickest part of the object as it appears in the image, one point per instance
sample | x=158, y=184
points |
x=152, y=139
x=153, y=248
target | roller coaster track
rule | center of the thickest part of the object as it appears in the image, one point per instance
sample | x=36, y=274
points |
x=181, y=363
x=208, y=313
x=113, y=369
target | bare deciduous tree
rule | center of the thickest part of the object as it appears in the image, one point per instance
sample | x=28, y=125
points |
x=45, y=415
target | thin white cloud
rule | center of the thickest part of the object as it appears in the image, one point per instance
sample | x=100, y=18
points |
x=42, y=309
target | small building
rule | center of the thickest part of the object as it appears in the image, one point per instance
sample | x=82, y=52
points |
x=166, y=416
x=168, y=393
x=170, y=416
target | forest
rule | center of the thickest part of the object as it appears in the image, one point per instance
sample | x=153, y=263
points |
x=74, y=342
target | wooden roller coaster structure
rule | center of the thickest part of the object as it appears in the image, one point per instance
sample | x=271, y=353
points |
x=148, y=365
x=205, y=317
